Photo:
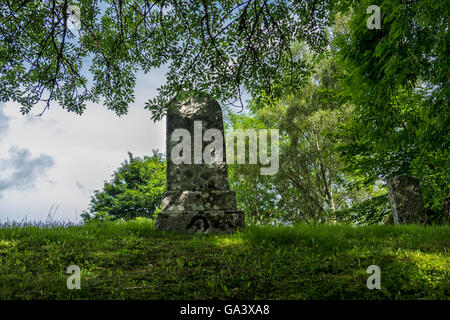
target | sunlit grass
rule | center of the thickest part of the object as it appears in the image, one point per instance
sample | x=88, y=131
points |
x=133, y=260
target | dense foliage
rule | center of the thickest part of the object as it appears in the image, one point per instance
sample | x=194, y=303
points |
x=311, y=184
x=135, y=190
x=397, y=78
x=372, y=210
x=372, y=106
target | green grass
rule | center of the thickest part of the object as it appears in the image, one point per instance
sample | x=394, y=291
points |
x=132, y=260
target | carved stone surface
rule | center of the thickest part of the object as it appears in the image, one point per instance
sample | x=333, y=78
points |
x=406, y=200
x=198, y=198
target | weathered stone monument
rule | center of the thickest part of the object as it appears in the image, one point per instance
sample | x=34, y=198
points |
x=406, y=200
x=198, y=198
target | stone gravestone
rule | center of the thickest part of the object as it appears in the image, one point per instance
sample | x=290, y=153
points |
x=406, y=200
x=198, y=198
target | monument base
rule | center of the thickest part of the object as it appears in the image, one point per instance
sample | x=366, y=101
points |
x=207, y=200
x=201, y=221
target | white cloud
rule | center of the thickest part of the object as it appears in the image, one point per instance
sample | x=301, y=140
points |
x=85, y=149
x=3, y=122
x=20, y=170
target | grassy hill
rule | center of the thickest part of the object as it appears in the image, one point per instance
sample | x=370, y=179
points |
x=132, y=260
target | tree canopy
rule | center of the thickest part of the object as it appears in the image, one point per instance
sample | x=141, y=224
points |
x=220, y=46
x=135, y=190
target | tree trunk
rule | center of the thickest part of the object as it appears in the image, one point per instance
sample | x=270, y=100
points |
x=327, y=184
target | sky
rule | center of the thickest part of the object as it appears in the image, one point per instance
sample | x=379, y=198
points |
x=56, y=161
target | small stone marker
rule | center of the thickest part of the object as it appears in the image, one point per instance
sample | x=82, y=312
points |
x=406, y=200
x=198, y=198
